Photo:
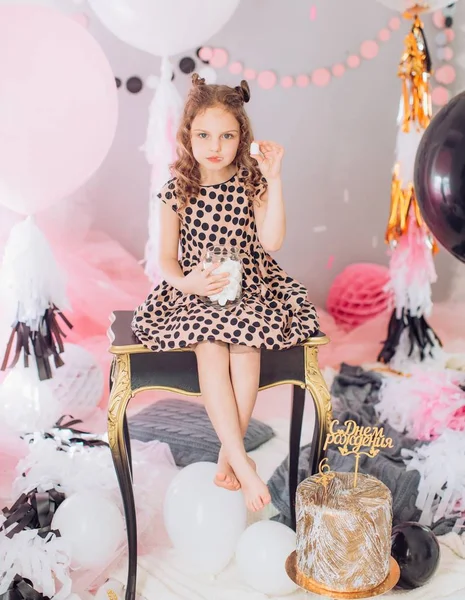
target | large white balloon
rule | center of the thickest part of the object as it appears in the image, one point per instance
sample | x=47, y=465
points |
x=426, y=5
x=261, y=557
x=164, y=27
x=92, y=525
x=203, y=521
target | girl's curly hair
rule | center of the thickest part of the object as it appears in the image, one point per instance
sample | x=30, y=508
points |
x=186, y=169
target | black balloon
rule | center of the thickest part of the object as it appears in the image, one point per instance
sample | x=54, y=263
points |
x=440, y=176
x=416, y=550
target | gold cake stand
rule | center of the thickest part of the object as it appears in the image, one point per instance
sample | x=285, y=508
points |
x=310, y=585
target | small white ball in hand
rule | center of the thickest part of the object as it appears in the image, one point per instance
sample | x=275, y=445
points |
x=254, y=148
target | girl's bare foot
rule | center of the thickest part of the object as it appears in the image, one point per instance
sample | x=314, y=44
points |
x=255, y=490
x=225, y=476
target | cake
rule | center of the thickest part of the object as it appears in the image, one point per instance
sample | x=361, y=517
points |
x=344, y=532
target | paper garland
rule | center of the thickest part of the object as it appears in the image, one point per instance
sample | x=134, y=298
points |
x=267, y=79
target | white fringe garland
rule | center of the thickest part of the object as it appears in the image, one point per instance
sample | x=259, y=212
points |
x=45, y=561
x=441, y=464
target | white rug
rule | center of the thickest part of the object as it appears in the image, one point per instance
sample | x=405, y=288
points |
x=160, y=577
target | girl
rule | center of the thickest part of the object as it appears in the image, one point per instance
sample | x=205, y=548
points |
x=221, y=195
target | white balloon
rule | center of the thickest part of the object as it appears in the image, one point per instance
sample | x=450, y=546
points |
x=203, y=521
x=163, y=27
x=261, y=556
x=403, y=5
x=92, y=525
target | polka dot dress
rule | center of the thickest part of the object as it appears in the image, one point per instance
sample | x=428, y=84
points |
x=273, y=313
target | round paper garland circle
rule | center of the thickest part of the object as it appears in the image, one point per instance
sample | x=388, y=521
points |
x=268, y=79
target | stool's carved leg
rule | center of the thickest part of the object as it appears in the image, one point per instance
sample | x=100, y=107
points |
x=120, y=395
x=317, y=387
x=298, y=405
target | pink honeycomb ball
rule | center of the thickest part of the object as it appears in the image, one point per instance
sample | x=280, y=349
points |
x=358, y=294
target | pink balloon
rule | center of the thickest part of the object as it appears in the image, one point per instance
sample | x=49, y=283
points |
x=445, y=74
x=321, y=77
x=267, y=80
x=58, y=107
x=369, y=49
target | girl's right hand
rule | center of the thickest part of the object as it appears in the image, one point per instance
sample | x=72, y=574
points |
x=202, y=282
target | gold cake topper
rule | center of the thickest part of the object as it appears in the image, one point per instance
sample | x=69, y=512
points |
x=324, y=473
x=357, y=439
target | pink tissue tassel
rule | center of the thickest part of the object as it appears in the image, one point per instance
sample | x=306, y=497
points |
x=160, y=151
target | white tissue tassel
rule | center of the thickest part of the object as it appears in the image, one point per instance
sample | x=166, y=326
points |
x=30, y=278
x=441, y=464
x=42, y=560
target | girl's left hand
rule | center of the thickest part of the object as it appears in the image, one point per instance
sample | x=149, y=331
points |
x=270, y=163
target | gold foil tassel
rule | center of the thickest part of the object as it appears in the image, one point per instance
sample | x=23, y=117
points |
x=414, y=72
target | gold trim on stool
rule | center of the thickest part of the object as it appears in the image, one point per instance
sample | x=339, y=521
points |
x=310, y=585
x=316, y=385
x=121, y=394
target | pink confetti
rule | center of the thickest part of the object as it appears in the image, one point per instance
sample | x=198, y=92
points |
x=313, y=13
x=330, y=262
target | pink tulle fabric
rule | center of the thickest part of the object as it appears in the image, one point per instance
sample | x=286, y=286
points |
x=358, y=294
